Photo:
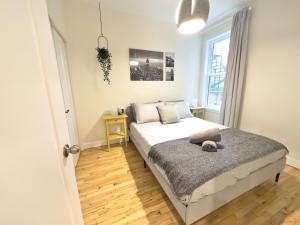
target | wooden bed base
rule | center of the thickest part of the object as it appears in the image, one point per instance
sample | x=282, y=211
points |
x=197, y=210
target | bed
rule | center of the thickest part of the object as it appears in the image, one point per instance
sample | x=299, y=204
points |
x=215, y=192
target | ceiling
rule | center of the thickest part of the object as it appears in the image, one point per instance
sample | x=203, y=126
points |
x=164, y=10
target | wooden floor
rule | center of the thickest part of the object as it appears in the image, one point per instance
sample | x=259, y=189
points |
x=116, y=189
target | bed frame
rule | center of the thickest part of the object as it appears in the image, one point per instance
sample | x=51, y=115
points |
x=194, y=211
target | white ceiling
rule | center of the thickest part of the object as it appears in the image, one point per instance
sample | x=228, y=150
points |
x=164, y=10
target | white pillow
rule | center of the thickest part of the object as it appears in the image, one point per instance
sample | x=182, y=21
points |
x=184, y=109
x=145, y=113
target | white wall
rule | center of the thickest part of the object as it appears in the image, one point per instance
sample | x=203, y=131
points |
x=92, y=96
x=32, y=191
x=271, y=103
x=56, y=14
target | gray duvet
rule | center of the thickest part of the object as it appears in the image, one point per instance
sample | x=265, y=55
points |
x=187, y=166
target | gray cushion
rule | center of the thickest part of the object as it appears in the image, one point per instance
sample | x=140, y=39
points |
x=212, y=134
x=168, y=114
x=183, y=107
x=145, y=113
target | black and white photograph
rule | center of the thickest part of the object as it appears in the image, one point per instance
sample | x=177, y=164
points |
x=170, y=64
x=170, y=59
x=146, y=65
x=169, y=74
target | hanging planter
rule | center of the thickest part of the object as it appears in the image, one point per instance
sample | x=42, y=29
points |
x=103, y=54
x=104, y=58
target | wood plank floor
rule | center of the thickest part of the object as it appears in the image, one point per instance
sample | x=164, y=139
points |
x=116, y=189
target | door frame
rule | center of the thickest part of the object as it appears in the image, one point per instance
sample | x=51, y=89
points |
x=44, y=40
x=70, y=96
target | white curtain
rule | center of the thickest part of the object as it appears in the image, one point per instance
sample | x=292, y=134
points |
x=236, y=69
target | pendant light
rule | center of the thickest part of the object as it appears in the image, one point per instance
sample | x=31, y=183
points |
x=192, y=15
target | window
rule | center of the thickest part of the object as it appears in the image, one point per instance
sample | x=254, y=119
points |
x=217, y=49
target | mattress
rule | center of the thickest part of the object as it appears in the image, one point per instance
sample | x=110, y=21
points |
x=149, y=134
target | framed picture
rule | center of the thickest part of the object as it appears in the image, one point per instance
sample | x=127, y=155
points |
x=169, y=73
x=169, y=66
x=146, y=65
x=170, y=59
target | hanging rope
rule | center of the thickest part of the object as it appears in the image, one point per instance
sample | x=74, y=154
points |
x=100, y=18
x=101, y=28
x=103, y=54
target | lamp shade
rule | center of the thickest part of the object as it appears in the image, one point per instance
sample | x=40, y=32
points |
x=192, y=15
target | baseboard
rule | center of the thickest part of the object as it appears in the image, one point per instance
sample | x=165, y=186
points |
x=99, y=143
x=93, y=144
x=293, y=162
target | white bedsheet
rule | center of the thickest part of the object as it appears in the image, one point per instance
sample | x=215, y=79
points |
x=149, y=134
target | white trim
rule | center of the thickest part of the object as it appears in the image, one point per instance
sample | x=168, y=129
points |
x=216, y=30
x=208, y=41
x=215, y=24
x=65, y=84
x=293, y=162
x=225, y=17
x=93, y=144
x=99, y=143
x=57, y=30
x=212, y=110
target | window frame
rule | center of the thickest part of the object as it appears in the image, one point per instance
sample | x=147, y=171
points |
x=207, y=43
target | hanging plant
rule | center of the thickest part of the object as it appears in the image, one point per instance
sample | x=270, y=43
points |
x=104, y=58
x=103, y=54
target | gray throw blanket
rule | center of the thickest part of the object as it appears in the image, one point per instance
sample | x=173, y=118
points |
x=187, y=166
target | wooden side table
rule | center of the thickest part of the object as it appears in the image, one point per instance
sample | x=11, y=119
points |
x=111, y=120
x=198, y=110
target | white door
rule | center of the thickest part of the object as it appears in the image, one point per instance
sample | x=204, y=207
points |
x=50, y=70
x=63, y=69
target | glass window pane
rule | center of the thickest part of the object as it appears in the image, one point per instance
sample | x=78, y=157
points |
x=218, y=49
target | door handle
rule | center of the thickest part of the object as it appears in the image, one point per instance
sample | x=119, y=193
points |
x=67, y=111
x=74, y=149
